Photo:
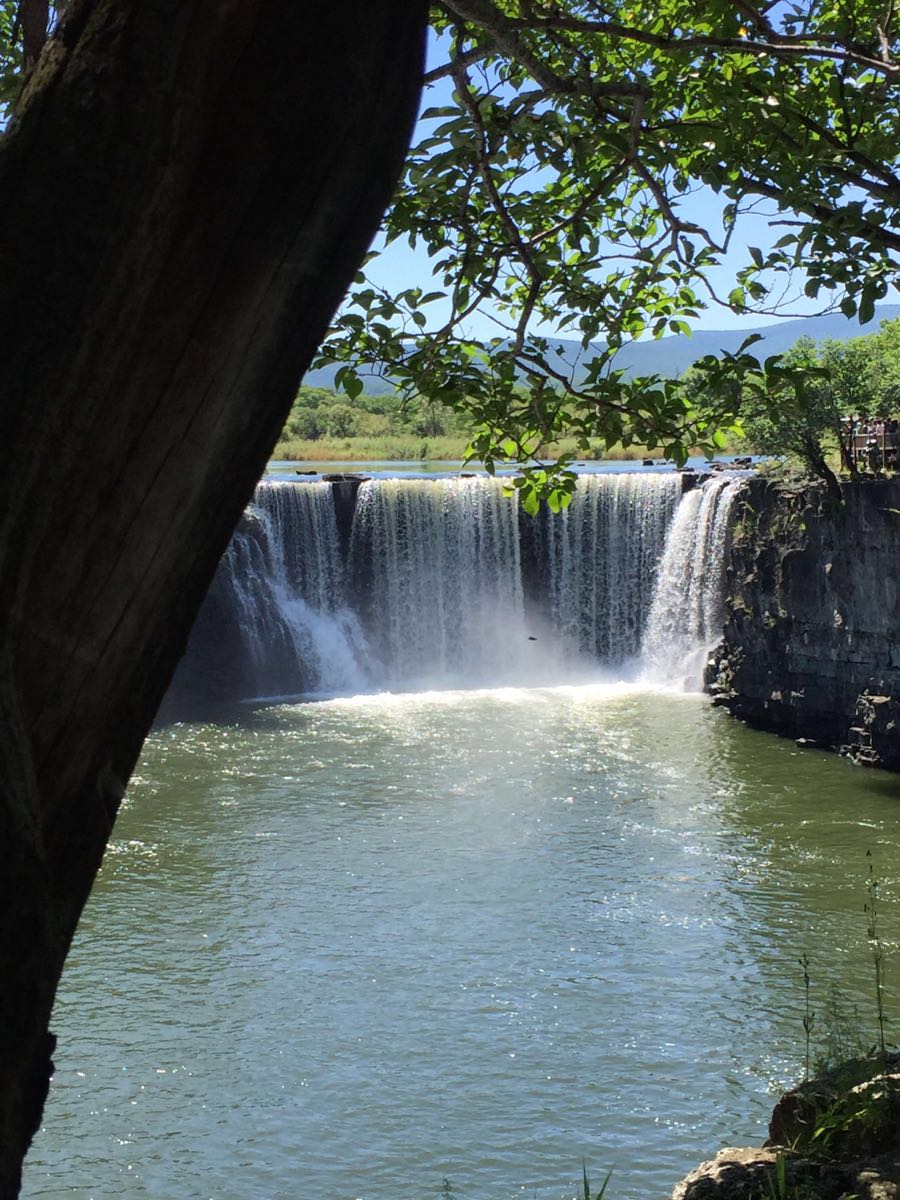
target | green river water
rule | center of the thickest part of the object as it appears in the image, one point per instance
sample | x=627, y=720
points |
x=346, y=949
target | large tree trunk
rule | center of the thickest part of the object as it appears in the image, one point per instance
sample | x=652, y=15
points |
x=186, y=193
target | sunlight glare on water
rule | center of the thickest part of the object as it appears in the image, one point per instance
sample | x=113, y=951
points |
x=345, y=949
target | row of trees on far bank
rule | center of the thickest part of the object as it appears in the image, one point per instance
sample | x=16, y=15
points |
x=319, y=413
x=820, y=385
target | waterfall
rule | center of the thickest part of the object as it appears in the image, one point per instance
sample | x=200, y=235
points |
x=438, y=564
x=687, y=612
x=401, y=583
x=281, y=581
x=601, y=556
x=303, y=540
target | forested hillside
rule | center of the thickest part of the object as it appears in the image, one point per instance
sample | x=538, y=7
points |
x=857, y=375
x=670, y=356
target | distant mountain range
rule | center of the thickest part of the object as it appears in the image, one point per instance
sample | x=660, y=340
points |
x=669, y=356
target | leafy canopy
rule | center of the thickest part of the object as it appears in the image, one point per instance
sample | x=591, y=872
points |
x=586, y=165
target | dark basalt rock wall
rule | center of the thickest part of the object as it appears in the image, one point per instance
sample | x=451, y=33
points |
x=811, y=646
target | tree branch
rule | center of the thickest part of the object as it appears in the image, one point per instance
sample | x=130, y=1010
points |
x=824, y=213
x=790, y=46
x=505, y=34
x=33, y=15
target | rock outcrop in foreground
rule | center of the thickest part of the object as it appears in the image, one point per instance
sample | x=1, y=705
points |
x=811, y=646
x=835, y=1137
x=753, y=1174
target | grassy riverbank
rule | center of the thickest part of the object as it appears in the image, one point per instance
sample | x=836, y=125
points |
x=391, y=448
x=325, y=426
x=409, y=448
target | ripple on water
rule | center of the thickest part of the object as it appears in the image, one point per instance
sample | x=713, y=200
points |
x=350, y=947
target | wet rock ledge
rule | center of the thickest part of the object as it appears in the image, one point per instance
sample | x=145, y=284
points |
x=835, y=1137
x=811, y=646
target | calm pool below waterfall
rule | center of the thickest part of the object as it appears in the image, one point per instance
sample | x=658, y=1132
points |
x=349, y=948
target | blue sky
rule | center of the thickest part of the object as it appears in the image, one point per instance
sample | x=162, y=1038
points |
x=399, y=266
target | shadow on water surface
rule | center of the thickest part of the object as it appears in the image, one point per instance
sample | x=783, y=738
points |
x=881, y=784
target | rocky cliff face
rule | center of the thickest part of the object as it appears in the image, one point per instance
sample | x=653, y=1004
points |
x=811, y=646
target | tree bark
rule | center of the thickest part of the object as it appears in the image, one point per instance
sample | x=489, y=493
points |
x=186, y=192
x=34, y=16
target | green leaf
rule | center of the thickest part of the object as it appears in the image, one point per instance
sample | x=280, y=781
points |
x=352, y=385
x=531, y=501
